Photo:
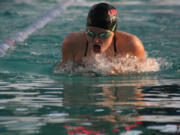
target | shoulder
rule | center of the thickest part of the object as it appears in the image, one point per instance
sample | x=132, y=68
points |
x=131, y=43
x=126, y=36
x=73, y=39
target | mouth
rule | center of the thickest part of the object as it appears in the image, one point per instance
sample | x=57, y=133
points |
x=97, y=48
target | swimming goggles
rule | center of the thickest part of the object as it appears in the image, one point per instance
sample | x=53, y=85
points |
x=98, y=35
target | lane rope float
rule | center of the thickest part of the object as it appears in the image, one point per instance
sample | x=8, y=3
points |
x=40, y=23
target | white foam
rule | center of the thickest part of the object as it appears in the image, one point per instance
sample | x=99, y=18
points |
x=101, y=65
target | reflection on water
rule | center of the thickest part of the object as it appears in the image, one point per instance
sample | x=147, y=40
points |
x=33, y=101
x=90, y=107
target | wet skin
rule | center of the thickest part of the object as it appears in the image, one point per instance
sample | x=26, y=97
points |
x=74, y=45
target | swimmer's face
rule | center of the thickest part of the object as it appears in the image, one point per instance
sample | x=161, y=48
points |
x=99, y=39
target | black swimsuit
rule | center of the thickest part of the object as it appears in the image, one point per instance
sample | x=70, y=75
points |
x=115, y=49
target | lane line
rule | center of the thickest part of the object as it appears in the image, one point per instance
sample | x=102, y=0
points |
x=40, y=23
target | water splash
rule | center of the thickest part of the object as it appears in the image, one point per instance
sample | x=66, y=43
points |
x=99, y=64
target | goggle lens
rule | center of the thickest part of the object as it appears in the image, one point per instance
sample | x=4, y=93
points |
x=98, y=35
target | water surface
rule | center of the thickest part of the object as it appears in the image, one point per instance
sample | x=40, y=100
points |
x=34, y=100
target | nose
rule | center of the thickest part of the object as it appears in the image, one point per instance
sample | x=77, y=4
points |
x=96, y=40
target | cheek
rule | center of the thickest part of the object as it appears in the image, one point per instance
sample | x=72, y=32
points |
x=107, y=42
x=90, y=40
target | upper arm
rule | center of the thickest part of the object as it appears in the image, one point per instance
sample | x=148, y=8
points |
x=67, y=53
x=69, y=47
x=137, y=48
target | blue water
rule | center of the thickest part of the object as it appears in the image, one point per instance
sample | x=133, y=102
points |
x=35, y=101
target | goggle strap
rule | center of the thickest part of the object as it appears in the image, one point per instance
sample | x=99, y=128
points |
x=113, y=28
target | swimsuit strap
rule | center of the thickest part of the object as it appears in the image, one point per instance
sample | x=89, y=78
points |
x=85, y=53
x=115, y=48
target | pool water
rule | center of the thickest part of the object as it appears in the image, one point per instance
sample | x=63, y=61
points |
x=36, y=101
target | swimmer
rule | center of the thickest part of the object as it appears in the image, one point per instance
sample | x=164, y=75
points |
x=100, y=37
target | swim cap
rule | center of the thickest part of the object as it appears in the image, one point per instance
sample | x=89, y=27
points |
x=102, y=15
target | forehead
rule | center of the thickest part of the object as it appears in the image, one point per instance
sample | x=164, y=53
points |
x=97, y=29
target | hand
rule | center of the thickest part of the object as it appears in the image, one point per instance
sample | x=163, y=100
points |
x=116, y=70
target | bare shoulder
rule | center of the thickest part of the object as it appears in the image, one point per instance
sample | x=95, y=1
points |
x=70, y=46
x=73, y=39
x=131, y=43
x=127, y=37
x=75, y=35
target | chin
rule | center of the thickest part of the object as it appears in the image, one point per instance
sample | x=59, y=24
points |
x=97, y=52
